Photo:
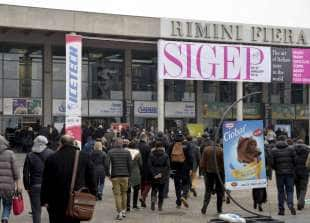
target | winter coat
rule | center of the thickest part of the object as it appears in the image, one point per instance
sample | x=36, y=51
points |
x=119, y=161
x=34, y=166
x=159, y=163
x=283, y=159
x=57, y=179
x=136, y=166
x=99, y=159
x=196, y=155
x=9, y=173
x=302, y=152
x=207, y=162
x=145, y=150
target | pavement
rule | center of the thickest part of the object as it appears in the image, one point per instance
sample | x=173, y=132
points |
x=105, y=210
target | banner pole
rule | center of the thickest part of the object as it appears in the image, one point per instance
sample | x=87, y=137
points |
x=240, y=103
x=161, y=104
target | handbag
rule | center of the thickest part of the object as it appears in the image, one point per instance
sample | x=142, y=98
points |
x=81, y=203
x=17, y=203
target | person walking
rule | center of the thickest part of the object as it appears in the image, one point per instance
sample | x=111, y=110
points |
x=145, y=150
x=119, y=171
x=32, y=174
x=57, y=175
x=135, y=177
x=159, y=166
x=9, y=178
x=99, y=158
x=211, y=178
x=301, y=173
x=283, y=161
x=196, y=159
x=181, y=164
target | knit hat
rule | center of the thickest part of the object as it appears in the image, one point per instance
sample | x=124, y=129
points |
x=39, y=144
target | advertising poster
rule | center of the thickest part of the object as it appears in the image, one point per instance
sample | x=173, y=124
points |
x=195, y=130
x=99, y=108
x=34, y=107
x=283, y=128
x=145, y=109
x=281, y=64
x=283, y=111
x=213, y=62
x=20, y=106
x=216, y=110
x=73, y=86
x=301, y=66
x=180, y=110
x=244, y=158
x=302, y=112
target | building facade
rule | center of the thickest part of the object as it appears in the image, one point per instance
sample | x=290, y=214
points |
x=119, y=71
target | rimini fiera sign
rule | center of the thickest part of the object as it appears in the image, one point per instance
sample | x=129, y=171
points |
x=237, y=33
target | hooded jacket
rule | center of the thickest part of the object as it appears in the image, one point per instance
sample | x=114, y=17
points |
x=302, y=152
x=8, y=169
x=283, y=159
x=159, y=163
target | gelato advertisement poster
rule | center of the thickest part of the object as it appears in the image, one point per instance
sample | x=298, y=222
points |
x=244, y=158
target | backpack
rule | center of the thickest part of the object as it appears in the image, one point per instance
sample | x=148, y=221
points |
x=177, y=154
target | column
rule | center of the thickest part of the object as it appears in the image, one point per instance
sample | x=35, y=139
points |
x=199, y=101
x=128, y=105
x=161, y=105
x=240, y=103
x=47, y=85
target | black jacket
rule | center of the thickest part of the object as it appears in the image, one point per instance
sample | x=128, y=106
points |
x=283, y=159
x=57, y=179
x=33, y=168
x=145, y=152
x=99, y=159
x=119, y=159
x=302, y=152
x=159, y=163
x=185, y=167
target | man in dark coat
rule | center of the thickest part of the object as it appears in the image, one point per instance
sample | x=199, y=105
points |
x=57, y=179
x=301, y=173
x=283, y=161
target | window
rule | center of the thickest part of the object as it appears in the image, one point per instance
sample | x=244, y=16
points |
x=249, y=88
x=179, y=90
x=144, y=75
x=297, y=93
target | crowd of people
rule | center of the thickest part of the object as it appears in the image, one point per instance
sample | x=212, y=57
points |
x=139, y=164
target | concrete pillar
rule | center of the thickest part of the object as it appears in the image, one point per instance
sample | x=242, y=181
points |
x=240, y=104
x=199, y=101
x=128, y=105
x=47, y=84
x=161, y=105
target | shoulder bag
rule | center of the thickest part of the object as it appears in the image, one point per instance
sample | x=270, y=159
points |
x=82, y=203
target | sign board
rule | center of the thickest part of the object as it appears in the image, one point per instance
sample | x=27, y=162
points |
x=145, y=109
x=216, y=110
x=73, y=86
x=195, y=130
x=22, y=106
x=283, y=111
x=213, y=62
x=301, y=66
x=302, y=112
x=244, y=158
x=180, y=110
x=100, y=108
x=281, y=64
x=59, y=107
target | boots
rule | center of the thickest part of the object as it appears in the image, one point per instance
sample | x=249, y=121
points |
x=153, y=202
x=160, y=206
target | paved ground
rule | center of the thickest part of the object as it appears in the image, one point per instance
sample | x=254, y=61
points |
x=105, y=211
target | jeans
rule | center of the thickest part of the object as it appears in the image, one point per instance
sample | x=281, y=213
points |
x=181, y=184
x=301, y=183
x=212, y=183
x=160, y=189
x=135, y=196
x=285, y=186
x=35, y=202
x=7, y=204
x=120, y=187
x=100, y=186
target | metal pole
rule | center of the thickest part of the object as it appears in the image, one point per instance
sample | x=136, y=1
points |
x=240, y=103
x=161, y=105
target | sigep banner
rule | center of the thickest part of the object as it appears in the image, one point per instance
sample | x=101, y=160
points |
x=214, y=62
x=73, y=86
x=244, y=156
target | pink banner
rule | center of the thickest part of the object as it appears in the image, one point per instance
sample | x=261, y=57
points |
x=214, y=62
x=73, y=86
x=301, y=66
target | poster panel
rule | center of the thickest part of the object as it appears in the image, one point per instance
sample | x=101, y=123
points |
x=145, y=109
x=195, y=129
x=281, y=64
x=302, y=112
x=244, y=158
x=98, y=108
x=180, y=110
x=73, y=86
x=283, y=111
x=301, y=66
x=284, y=129
x=214, y=62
